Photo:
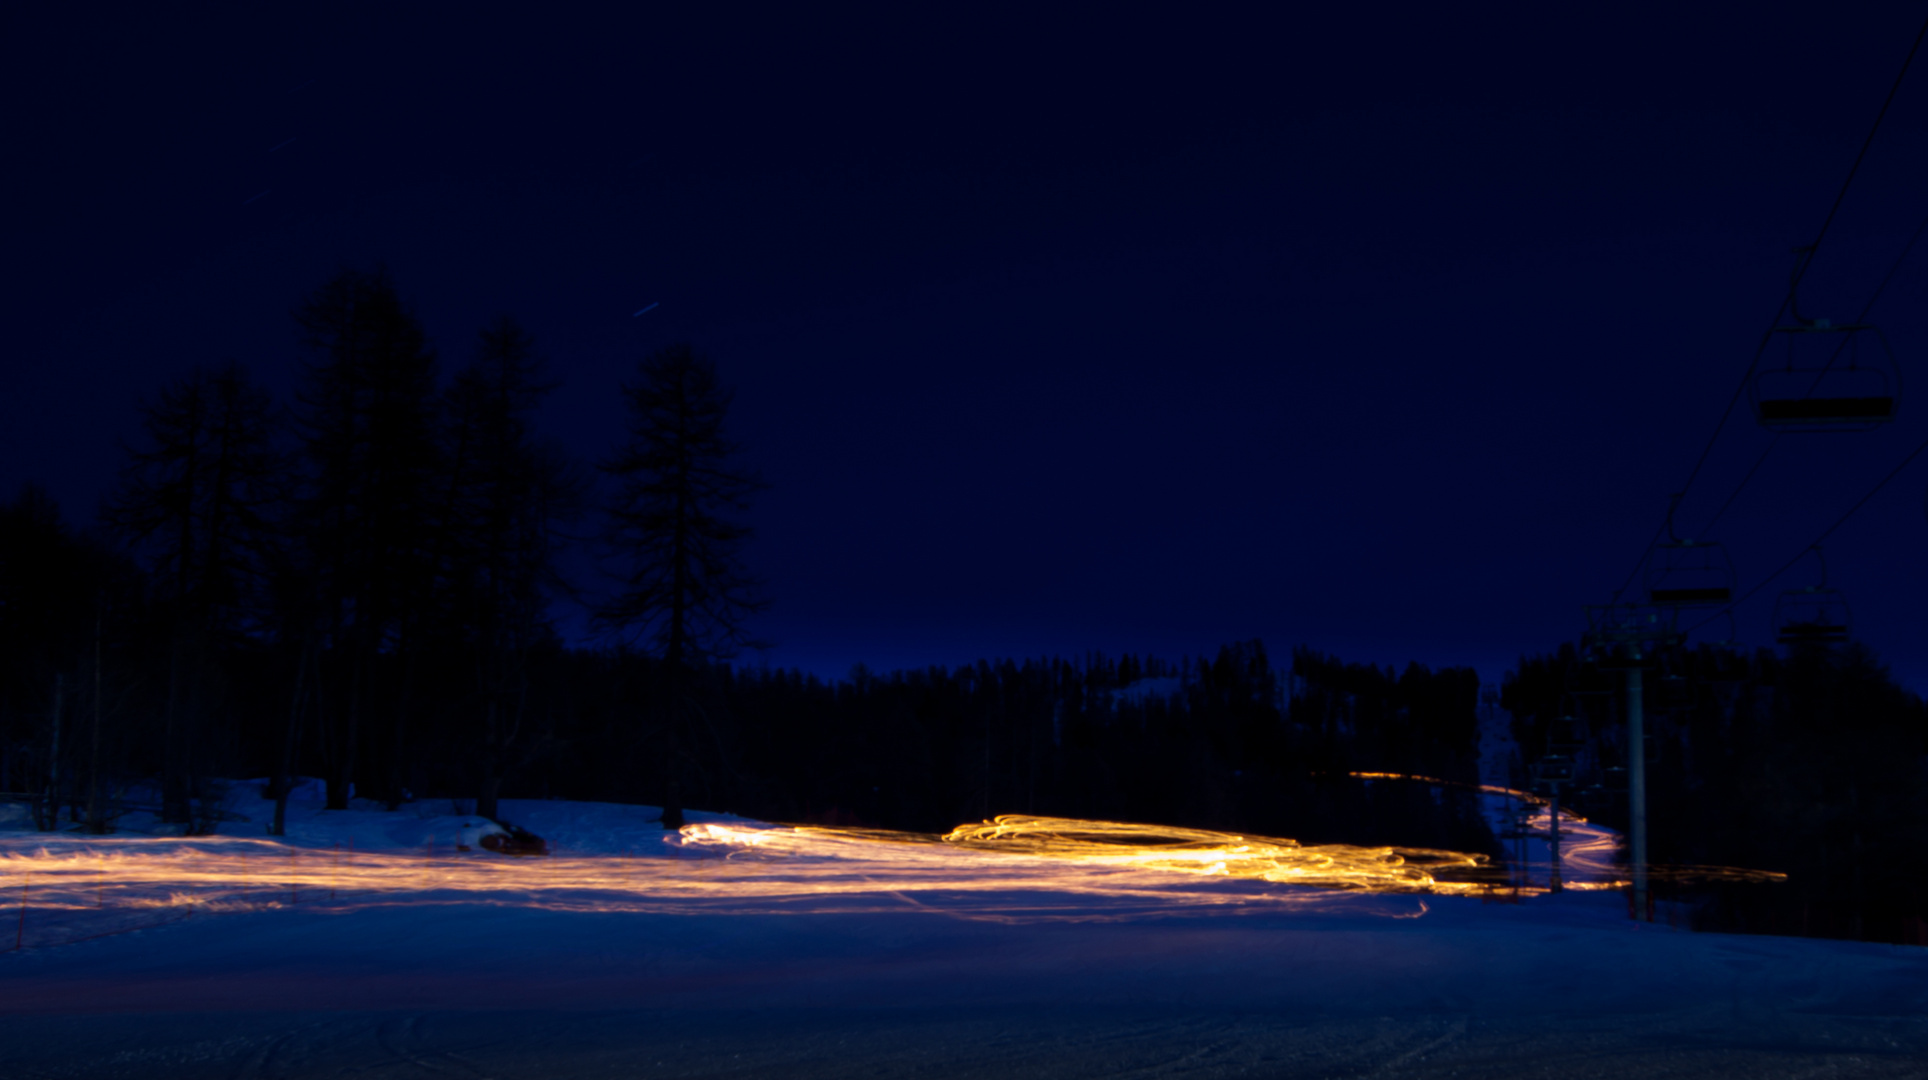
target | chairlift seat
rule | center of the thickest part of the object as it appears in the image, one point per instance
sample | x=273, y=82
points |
x=1710, y=594
x=1828, y=382
x=1689, y=573
x=1795, y=633
x=1552, y=769
x=1817, y=614
x=1826, y=410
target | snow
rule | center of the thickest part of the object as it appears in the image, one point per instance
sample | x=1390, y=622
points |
x=743, y=948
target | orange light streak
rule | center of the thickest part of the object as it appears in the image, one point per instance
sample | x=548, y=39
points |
x=1200, y=851
x=1589, y=857
x=1013, y=869
x=1016, y=868
x=1490, y=789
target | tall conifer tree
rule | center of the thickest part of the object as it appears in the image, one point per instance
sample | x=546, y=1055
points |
x=506, y=494
x=684, y=591
x=200, y=498
x=368, y=426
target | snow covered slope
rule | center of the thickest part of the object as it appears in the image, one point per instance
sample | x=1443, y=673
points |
x=715, y=953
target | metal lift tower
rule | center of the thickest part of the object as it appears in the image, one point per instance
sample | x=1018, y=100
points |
x=1623, y=636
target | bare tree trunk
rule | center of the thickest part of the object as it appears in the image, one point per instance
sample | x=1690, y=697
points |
x=985, y=808
x=174, y=796
x=96, y=820
x=672, y=716
x=284, y=769
x=488, y=788
x=50, y=816
x=678, y=635
x=195, y=787
x=1855, y=923
x=504, y=728
x=398, y=792
x=341, y=777
x=488, y=797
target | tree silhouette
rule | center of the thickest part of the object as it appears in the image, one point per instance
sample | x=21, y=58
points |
x=55, y=587
x=368, y=425
x=199, y=498
x=505, y=494
x=685, y=593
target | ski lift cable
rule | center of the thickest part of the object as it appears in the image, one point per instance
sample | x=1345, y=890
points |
x=1856, y=167
x=1893, y=268
x=1735, y=494
x=1794, y=283
x=1814, y=248
x=1816, y=542
x=1866, y=310
x=1645, y=554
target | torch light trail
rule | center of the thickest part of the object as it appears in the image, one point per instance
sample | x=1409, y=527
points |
x=1016, y=868
x=1013, y=869
x=1589, y=854
x=1489, y=789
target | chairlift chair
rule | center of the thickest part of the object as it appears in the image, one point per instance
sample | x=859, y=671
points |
x=1817, y=632
x=1690, y=573
x=1553, y=769
x=1817, y=614
x=1563, y=734
x=1826, y=381
x=1683, y=573
x=1732, y=642
x=1617, y=633
x=1814, y=615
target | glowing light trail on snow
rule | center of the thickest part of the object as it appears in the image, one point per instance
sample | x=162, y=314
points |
x=1590, y=857
x=1014, y=869
x=1489, y=789
x=1200, y=851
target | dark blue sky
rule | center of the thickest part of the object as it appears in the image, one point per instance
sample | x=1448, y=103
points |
x=1387, y=332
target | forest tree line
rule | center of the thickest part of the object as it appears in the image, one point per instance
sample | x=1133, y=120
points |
x=1811, y=761
x=362, y=585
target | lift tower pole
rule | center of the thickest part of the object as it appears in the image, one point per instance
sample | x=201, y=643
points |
x=1553, y=770
x=1553, y=840
x=1620, y=635
x=1637, y=783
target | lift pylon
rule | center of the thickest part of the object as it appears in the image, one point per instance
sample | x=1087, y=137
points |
x=1625, y=636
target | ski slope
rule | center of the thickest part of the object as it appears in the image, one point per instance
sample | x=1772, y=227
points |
x=365, y=945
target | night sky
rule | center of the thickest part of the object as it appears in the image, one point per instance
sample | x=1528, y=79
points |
x=1387, y=332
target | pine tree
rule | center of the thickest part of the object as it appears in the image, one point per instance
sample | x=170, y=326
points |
x=368, y=425
x=200, y=499
x=506, y=494
x=684, y=591
x=55, y=586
